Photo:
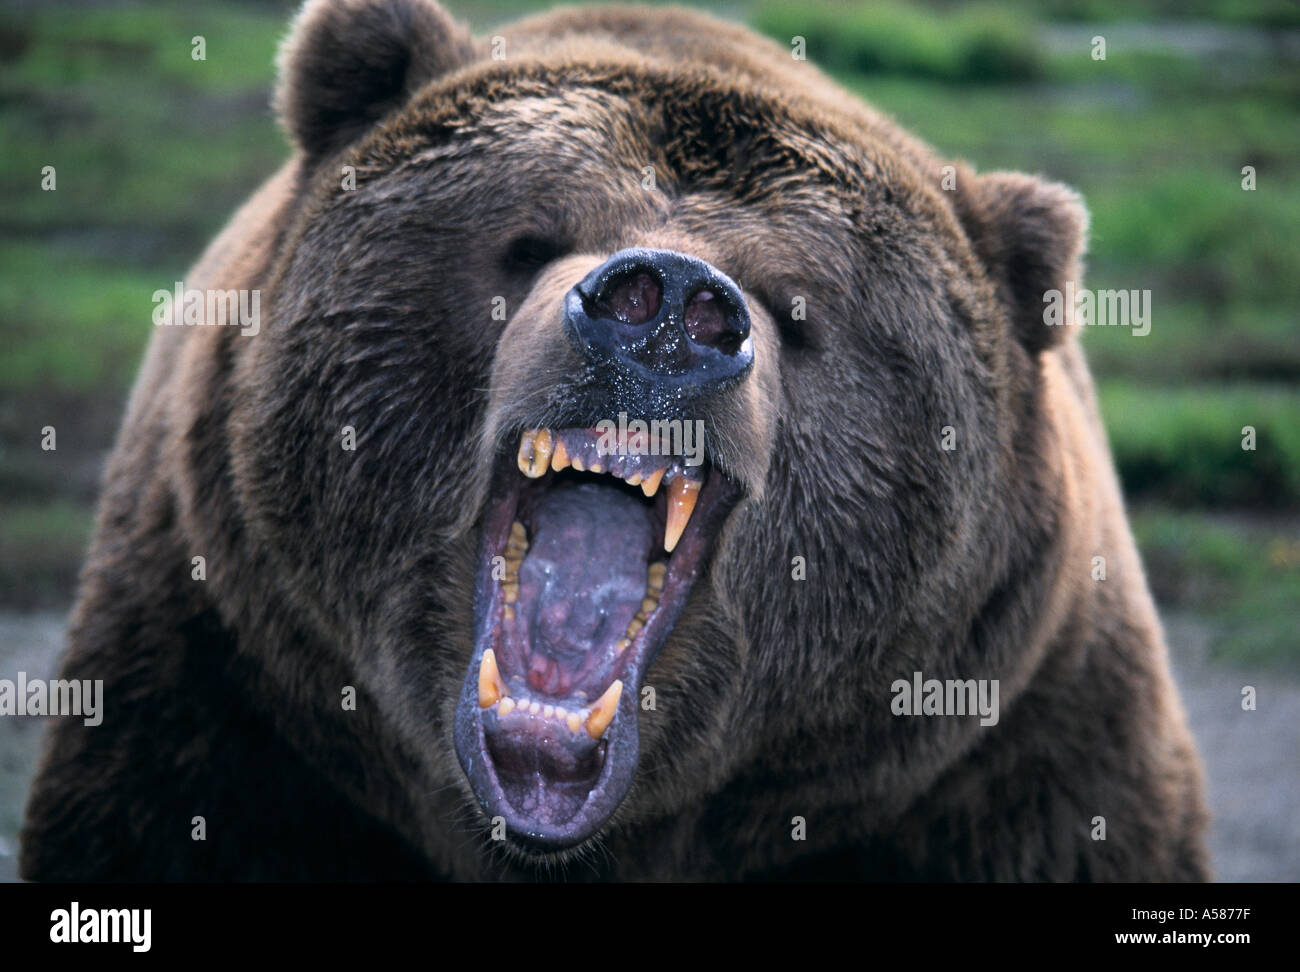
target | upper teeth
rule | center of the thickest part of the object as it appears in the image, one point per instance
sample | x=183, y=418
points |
x=650, y=485
x=490, y=686
x=541, y=451
x=535, y=451
x=516, y=547
x=682, y=494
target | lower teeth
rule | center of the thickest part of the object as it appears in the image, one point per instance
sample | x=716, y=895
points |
x=596, y=717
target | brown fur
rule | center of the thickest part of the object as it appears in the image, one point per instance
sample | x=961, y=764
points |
x=329, y=568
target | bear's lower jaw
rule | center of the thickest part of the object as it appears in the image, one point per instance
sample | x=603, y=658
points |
x=586, y=565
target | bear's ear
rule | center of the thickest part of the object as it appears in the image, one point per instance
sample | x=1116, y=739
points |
x=347, y=63
x=1031, y=234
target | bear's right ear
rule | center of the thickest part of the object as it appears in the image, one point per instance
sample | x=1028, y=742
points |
x=347, y=63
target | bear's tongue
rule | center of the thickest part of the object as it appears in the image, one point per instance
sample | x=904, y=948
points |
x=582, y=581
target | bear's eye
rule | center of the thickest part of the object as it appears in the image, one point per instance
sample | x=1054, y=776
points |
x=789, y=311
x=528, y=254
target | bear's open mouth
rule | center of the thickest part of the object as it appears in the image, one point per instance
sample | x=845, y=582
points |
x=587, y=561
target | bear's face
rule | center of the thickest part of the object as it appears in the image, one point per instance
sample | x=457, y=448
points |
x=537, y=248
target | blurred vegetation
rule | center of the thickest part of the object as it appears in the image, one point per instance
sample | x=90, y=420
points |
x=1242, y=572
x=1189, y=446
x=976, y=44
x=154, y=150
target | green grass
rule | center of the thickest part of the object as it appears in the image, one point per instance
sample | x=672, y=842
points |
x=1162, y=181
x=142, y=163
x=1264, y=13
x=84, y=44
x=1184, y=445
x=60, y=308
x=41, y=546
x=1242, y=576
x=979, y=43
x=1197, y=233
x=1194, y=342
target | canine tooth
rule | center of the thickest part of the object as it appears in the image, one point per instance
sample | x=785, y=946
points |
x=534, y=452
x=574, y=721
x=559, y=457
x=490, y=686
x=600, y=715
x=542, y=456
x=682, y=494
x=506, y=706
x=650, y=485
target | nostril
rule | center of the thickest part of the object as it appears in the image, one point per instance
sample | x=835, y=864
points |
x=705, y=318
x=634, y=299
x=710, y=320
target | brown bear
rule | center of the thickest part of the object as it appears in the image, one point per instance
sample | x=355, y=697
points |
x=639, y=441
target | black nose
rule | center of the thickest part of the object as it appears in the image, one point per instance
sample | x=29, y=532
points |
x=663, y=319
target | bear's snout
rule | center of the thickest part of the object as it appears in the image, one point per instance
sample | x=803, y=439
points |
x=662, y=320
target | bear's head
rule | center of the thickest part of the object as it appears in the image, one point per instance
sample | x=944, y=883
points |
x=692, y=403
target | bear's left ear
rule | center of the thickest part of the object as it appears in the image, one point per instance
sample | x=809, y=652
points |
x=347, y=63
x=1031, y=234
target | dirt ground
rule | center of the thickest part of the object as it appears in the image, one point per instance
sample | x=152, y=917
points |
x=1252, y=758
